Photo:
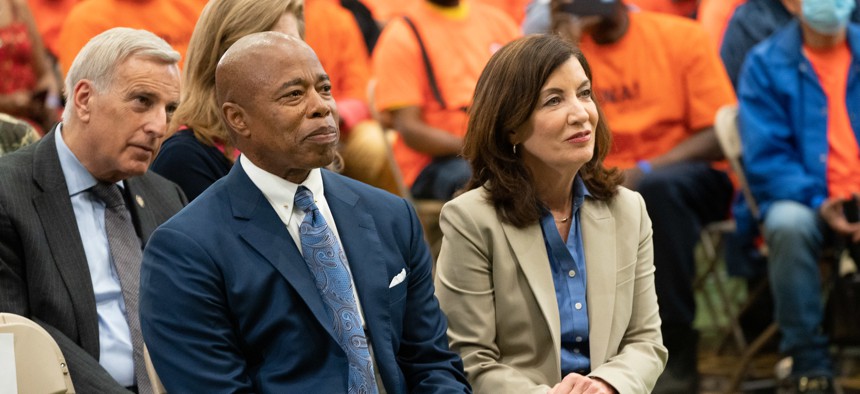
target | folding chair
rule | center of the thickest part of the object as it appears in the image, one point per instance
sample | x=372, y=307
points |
x=157, y=387
x=40, y=366
x=728, y=135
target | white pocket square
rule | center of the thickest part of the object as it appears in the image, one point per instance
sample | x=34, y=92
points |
x=397, y=279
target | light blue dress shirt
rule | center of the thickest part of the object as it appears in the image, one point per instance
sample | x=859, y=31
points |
x=115, y=349
x=567, y=261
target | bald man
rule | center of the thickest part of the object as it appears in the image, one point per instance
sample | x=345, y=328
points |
x=283, y=277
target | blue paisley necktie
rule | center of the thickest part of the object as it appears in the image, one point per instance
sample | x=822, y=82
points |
x=327, y=262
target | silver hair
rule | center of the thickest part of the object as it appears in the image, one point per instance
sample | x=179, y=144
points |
x=98, y=59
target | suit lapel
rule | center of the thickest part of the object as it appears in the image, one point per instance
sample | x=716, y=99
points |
x=54, y=207
x=598, y=239
x=260, y=227
x=361, y=243
x=531, y=255
x=144, y=218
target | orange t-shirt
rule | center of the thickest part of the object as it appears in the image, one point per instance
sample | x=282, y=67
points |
x=333, y=33
x=459, y=43
x=172, y=20
x=658, y=85
x=684, y=8
x=714, y=15
x=843, y=160
x=516, y=9
x=49, y=16
x=384, y=10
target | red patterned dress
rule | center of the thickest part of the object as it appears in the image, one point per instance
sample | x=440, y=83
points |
x=17, y=71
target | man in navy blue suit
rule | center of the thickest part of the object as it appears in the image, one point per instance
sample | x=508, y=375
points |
x=234, y=295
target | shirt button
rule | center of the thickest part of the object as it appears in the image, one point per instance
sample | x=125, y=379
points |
x=578, y=306
x=571, y=273
x=579, y=339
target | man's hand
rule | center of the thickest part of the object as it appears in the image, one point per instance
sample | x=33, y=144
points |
x=832, y=213
x=575, y=383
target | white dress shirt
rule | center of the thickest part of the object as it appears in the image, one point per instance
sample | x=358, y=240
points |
x=281, y=194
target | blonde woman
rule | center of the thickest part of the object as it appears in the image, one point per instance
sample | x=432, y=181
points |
x=199, y=153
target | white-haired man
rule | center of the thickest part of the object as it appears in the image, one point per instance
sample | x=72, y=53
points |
x=76, y=208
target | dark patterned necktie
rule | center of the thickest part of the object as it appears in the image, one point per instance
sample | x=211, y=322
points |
x=125, y=250
x=327, y=262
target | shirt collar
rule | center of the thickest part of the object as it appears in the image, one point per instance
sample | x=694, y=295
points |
x=78, y=179
x=579, y=192
x=279, y=191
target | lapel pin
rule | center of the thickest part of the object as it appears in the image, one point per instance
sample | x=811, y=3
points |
x=139, y=200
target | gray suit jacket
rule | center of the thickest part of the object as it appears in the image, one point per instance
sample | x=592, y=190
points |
x=43, y=268
x=494, y=283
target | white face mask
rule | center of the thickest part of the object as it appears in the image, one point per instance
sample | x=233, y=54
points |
x=827, y=16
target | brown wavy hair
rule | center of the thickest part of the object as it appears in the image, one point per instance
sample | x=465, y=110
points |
x=505, y=97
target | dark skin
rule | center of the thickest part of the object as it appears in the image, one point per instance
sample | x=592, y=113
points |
x=423, y=137
x=604, y=30
x=701, y=146
x=419, y=135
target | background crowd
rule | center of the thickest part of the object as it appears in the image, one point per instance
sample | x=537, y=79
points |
x=451, y=96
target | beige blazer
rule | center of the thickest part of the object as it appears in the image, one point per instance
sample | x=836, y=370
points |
x=493, y=281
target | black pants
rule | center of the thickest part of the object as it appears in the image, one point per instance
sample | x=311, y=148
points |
x=442, y=178
x=680, y=200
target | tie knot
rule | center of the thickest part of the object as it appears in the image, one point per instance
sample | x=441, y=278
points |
x=305, y=199
x=109, y=193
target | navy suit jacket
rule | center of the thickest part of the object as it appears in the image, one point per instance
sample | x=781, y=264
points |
x=229, y=305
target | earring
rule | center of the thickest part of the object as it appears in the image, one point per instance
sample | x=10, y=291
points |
x=515, y=149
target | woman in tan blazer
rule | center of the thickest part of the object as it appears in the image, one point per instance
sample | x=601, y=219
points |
x=546, y=270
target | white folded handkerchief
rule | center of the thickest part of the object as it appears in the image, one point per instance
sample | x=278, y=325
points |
x=397, y=279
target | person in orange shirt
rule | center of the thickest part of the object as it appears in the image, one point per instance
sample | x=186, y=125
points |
x=49, y=16
x=172, y=20
x=334, y=35
x=714, y=15
x=660, y=83
x=685, y=8
x=385, y=10
x=459, y=37
x=797, y=93
x=516, y=9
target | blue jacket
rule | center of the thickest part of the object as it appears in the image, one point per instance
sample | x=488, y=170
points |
x=751, y=23
x=783, y=119
x=228, y=304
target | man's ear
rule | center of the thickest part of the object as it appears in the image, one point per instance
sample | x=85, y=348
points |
x=236, y=119
x=82, y=99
